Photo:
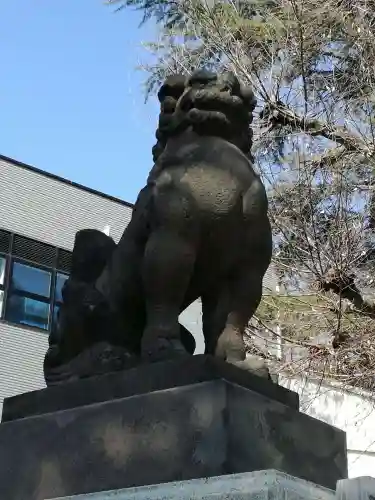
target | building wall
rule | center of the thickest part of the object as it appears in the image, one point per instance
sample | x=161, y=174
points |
x=21, y=357
x=51, y=211
x=350, y=410
x=47, y=210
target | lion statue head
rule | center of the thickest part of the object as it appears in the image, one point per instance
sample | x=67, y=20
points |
x=208, y=103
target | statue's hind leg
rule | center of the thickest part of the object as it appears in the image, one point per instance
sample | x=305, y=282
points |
x=226, y=315
x=167, y=267
x=221, y=341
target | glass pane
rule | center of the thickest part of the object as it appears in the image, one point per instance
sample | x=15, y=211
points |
x=27, y=311
x=1, y=302
x=60, y=280
x=31, y=279
x=2, y=270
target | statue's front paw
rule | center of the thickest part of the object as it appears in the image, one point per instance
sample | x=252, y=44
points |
x=254, y=365
x=161, y=349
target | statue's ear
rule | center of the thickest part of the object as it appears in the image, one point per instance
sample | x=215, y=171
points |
x=185, y=101
x=248, y=96
x=173, y=86
x=231, y=81
x=168, y=105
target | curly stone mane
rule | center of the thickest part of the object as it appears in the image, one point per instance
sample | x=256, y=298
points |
x=211, y=104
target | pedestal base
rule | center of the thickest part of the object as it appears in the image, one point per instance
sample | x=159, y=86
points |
x=209, y=425
x=260, y=485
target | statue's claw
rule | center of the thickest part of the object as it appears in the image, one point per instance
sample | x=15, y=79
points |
x=254, y=365
x=162, y=348
x=95, y=360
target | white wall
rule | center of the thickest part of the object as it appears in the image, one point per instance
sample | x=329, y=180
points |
x=352, y=411
x=191, y=318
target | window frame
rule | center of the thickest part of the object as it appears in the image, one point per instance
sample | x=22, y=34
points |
x=54, y=271
x=29, y=295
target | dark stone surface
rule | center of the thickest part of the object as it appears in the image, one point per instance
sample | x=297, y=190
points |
x=141, y=380
x=202, y=193
x=79, y=324
x=294, y=443
x=195, y=431
x=86, y=341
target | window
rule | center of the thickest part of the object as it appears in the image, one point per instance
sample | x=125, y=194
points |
x=29, y=296
x=27, y=311
x=30, y=280
x=32, y=275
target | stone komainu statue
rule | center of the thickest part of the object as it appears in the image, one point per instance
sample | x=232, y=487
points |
x=199, y=229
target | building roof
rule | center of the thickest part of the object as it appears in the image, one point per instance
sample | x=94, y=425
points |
x=65, y=181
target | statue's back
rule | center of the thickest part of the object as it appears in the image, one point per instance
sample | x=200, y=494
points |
x=206, y=180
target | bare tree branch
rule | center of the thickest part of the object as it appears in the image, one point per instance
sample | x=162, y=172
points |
x=279, y=114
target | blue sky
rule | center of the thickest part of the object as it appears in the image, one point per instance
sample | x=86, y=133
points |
x=71, y=100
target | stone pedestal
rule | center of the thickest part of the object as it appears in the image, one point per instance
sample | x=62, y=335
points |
x=260, y=485
x=160, y=423
x=360, y=488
